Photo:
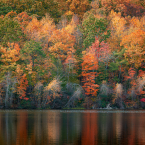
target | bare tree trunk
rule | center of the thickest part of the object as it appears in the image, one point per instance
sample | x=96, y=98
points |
x=7, y=89
x=12, y=94
x=39, y=98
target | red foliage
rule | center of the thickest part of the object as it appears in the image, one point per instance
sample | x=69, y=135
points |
x=26, y=98
x=97, y=52
x=89, y=67
x=133, y=10
x=131, y=73
x=141, y=73
x=101, y=49
x=22, y=86
x=126, y=7
x=142, y=100
x=23, y=18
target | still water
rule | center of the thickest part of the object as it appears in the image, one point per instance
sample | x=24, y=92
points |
x=60, y=127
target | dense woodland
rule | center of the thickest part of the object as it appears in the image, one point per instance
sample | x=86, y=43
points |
x=62, y=54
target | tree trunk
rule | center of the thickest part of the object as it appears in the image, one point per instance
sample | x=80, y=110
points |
x=7, y=89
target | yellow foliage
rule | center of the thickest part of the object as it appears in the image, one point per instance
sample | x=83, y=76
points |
x=62, y=44
x=134, y=43
x=38, y=86
x=53, y=88
x=118, y=90
x=69, y=13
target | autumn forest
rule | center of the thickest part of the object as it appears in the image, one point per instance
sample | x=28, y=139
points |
x=72, y=54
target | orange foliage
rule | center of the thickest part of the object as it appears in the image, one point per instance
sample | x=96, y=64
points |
x=40, y=30
x=141, y=73
x=89, y=67
x=118, y=29
x=11, y=14
x=131, y=73
x=102, y=50
x=135, y=45
x=97, y=52
x=22, y=83
x=23, y=18
x=126, y=7
x=70, y=62
x=62, y=44
x=11, y=54
x=33, y=28
x=77, y=6
x=72, y=26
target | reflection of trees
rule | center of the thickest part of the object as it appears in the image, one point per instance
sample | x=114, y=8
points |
x=1, y=129
x=22, y=136
x=71, y=128
x=141, y=129
x=133, y=130
x=53, y=126
x=106, y=128
x=90, y=129
x=37, y=130
x=118, y=123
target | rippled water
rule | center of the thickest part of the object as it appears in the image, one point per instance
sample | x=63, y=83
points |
x=66, y=127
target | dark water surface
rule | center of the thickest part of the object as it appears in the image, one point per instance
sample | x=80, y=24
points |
x=60, y=127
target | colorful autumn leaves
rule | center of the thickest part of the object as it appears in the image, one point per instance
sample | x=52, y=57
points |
x=87, y=48
x=12, y=71
x=93, y=55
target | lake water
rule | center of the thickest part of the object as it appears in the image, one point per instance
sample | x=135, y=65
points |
x=66, y=127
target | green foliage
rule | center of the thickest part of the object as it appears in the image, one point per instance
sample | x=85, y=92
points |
x=25, y=104
x=10, y=31
x=103, y=104
x=26, y=56
x=102, y=73
x=117, y=62
x=39, y=7
x=91, y=27
x=4, y=9
x=32, y=50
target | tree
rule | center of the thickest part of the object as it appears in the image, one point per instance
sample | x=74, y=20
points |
x=39, y=8
x=31, y=51
x=23, y=19
x=52, y=91
x=4, y=9
x=40, y=31
x=125, y=7
x=77, y=7
x=62, y=44
x=10, y=31
x=9, y=56
x=89, y=67
x=118, y=26
x=103, y=56
x=70, y=64
x=33, y=28
x=72, y=26
x=91, y=27
x=117, y=66
x=135, y=47
x=9, y=59
x=48, y=26
x=22, y=83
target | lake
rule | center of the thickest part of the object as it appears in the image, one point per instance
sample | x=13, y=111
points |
x=72, y=127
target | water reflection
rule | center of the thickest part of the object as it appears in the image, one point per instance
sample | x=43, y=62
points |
x=89, y=129
x=71, y=128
